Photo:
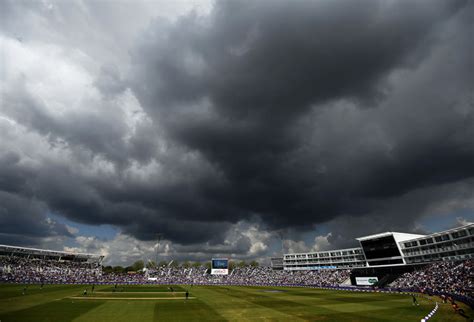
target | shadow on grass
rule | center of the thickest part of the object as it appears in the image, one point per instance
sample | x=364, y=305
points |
x=56, y=311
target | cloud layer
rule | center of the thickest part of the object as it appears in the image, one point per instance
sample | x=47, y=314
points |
x=220, y=125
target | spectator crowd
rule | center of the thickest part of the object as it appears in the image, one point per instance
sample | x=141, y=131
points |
x=250, y=276
x=15, y=269
x=443, y=277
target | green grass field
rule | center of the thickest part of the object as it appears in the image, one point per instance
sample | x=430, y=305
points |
x=58, y=303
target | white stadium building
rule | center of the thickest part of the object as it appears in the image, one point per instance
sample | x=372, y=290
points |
x=388, y=249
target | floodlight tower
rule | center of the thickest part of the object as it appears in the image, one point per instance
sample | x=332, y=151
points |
x=157, y=245
x=282, y=240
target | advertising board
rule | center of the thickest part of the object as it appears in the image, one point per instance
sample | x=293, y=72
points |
x=366, y=281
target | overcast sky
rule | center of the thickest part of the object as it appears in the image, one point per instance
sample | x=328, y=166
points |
x=232, y=128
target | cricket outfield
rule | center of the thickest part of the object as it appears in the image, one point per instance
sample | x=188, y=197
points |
x=57, y=303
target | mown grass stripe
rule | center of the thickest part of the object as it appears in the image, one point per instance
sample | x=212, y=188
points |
x=133, y=292
x=213, y=303
x=128, y=298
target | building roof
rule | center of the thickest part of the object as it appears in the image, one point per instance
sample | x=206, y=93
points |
x=30, y=250
x=398, y=236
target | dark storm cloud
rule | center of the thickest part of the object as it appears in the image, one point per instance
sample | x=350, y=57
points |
x=295, y=113
x=24, y=222
x=140, y=211
x=262, y=60
x=24, y=218
x=236, y=86
x=399, y=213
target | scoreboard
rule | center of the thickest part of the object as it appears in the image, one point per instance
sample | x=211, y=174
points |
x=220, y=266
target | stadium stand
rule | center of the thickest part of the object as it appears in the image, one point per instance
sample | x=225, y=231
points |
x=444, y=277
x=25, y=270
x=390, y=249
x=451, y=274
x=32, y=265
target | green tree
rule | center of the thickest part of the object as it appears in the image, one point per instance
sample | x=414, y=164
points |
x=138, y=266
x=118, y=269
x=207, y=265
x=107, y=269
x=196, y=264
x=232, y=265
x=254, y=263
x=186, y=264
x=242, y=264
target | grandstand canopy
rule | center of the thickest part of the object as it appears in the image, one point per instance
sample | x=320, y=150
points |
x=6, y=250
x=399, y=237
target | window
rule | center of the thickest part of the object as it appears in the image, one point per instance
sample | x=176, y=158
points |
x=386, y=262
x=462, y=233
x=423, y=242
x=381, y=247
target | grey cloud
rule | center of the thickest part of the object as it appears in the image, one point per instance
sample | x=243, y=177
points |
x=295, y=113
x=299, y=59
x=25, y=222
x=101, y=129
x=110, y=82
x=401, y=213
x=303, y=54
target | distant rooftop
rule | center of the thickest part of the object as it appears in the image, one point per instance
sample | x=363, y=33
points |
x=21, y=249
x=407, y=236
